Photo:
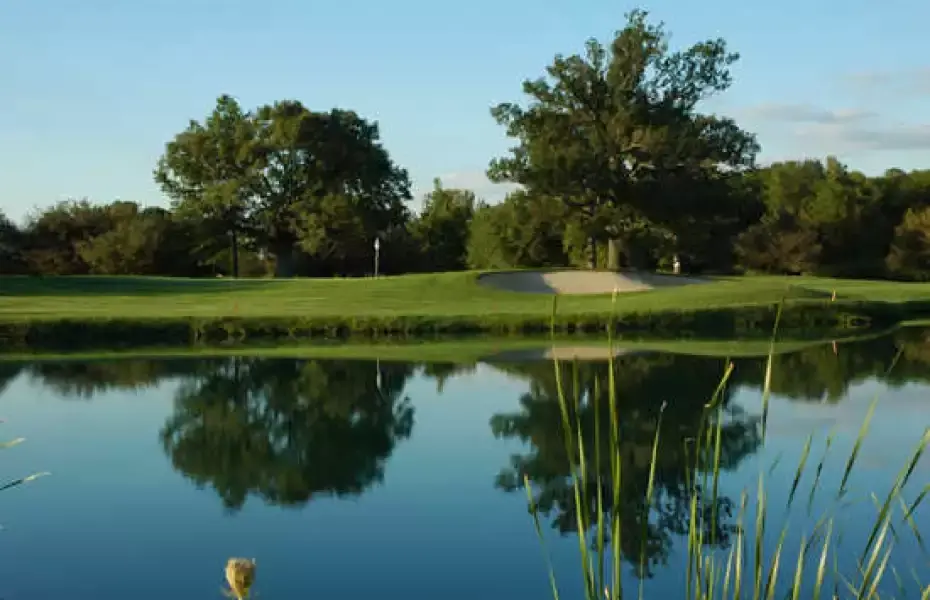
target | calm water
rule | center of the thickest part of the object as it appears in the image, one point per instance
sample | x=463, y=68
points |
x=354, y=479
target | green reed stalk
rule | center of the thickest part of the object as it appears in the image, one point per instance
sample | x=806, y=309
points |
x=534, y=511
x=710, y=576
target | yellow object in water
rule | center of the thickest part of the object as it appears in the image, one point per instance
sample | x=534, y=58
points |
x=240, y=575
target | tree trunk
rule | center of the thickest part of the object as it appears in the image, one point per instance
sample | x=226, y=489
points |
x=284, y=261
x=613, y=254
x=234, y=243
x=592, y=246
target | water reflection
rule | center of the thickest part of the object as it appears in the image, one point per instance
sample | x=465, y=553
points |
x=826, y=372
x=642, y=384
x=282, y=432
x=288, y=430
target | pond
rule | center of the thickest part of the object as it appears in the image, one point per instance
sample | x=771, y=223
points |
x=377, y=479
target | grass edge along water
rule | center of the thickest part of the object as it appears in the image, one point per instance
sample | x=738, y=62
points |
x=711, y=576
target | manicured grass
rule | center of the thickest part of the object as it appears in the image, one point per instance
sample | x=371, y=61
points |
x=445, y=294
x=140, y=311
x=461, y=351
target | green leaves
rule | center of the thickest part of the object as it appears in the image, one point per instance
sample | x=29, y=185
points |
x=615, y=132
x=265, y=176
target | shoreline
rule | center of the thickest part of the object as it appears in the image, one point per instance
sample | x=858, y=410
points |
x=469, y=350
x=85, y=313
x=799, y=319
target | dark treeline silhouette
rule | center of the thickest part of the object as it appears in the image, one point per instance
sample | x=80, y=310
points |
x=613, y=163
x=808, y=217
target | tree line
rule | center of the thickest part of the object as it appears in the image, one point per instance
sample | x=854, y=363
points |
x=614, y=163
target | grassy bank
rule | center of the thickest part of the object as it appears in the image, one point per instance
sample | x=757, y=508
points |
x=68, y=312
x=460, y=351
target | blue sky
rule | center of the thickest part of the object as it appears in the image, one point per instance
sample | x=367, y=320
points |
x=92, y=89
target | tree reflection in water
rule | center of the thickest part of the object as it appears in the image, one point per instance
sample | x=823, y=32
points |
x=642, y=383
x=287, y=430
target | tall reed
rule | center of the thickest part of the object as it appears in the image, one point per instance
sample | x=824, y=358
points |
x=743, y=570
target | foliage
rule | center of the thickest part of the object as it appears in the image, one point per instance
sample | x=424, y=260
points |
x=909, y=257
x=521, y=231
x=616, y=133
x=209, y=170
x=12, y=258
x=617, y=162
x=778, y=245
x=441, y=230
x=282, y=177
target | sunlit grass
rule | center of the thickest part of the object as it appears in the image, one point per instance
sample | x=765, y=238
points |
x=436, y=294
x=748, y=568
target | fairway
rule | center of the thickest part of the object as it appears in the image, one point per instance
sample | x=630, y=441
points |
x=447, y=295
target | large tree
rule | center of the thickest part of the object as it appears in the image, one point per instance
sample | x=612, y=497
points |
x=210, y=169
x=616, y=133
x=284, y=178
x=322, y=174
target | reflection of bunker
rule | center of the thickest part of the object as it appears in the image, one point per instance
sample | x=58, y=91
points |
x=598, y=352
x=581, y=282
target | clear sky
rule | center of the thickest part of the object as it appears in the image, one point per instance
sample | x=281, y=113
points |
x=90, y=90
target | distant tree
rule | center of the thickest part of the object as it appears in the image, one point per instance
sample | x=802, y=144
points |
x=210, y=171
x=616, y=134
x=842, y=208
x=53, y=237
x=140, y=242
x=778, y=244
x=486, y=242
x=522, y=231
x=12, y=260
x=909, y=257
x=441, y=230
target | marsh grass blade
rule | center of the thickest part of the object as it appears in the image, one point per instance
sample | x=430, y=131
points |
x=21, y=481
x=713, y=575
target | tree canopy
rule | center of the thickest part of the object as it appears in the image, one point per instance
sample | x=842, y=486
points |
x=617, y=134
x=616, y=158
x=283, y=176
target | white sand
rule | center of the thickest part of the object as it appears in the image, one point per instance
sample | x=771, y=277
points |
x=581, y=282
x=599, y=352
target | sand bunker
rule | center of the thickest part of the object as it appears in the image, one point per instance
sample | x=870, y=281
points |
x=581, y=282
x=598, y=352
